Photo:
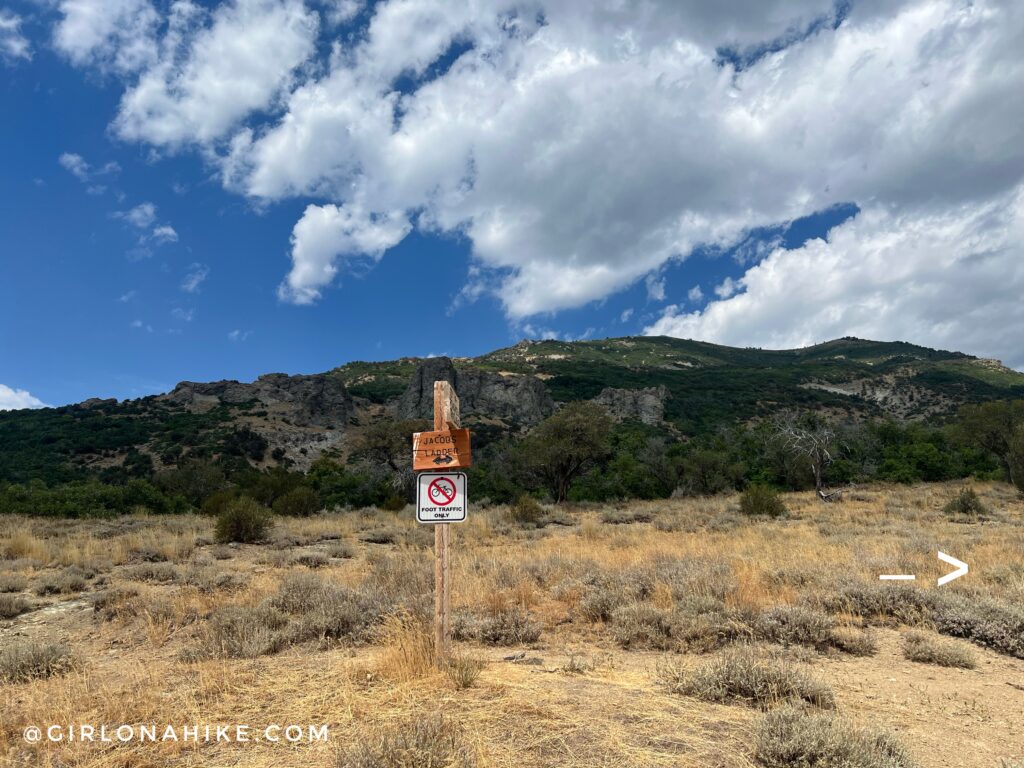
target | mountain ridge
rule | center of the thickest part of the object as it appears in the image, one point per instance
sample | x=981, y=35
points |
x=682, y=387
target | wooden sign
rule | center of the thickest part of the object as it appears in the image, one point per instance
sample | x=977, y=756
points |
x=446, y=414
x=441, y=450
x=441, y=497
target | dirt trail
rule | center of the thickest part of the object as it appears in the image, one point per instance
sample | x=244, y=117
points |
x=948, y=718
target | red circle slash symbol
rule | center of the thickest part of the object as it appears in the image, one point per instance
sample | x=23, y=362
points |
x=441, y=491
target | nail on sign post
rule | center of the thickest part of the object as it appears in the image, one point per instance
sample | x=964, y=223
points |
x=441, y=497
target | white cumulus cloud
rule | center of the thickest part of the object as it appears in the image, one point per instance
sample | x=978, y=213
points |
x=16, y=399
x=82, y=170
x=327, y=233
x=582, y=154
x=211, y=73
x=13, y=43
x=196, y=276
x=580, y=147
x=141, y=216
x=655, y=288
x=340, y=11
x=727, y=288
x=75, y=165
x=165, y=233
x=951, y=280
x=116, y=35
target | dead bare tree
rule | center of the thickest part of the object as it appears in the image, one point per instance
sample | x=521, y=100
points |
x=809, y=438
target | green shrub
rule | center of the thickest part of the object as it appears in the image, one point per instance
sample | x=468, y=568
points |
x=241, y=632
x=153, y=573
x=298, y=502
x=208, y=579
x=325, y=611
x=1015, y=459
x=300, y=593
x=89, y=499
x=930, y=650
x=526, y=511
x=744, y=675
x=759, y=500
x=625, y=517
x=512, y=626
x=12, y=582
x=982, y=620
x=463, y=671
x=394, y=503
x=244, y=520
x=795, y=625
x=12, y=605
x=343, y=614
x=694, y=577
x=641, y=625
x=341, y=550
x=24, y=660
x=882, y=603
x=117, y=603
x=310, y=559
x=422, y=742
x=856, y=642
x=966, y=503
x=792, y=737
x=601, y=601
x=218, y=501
x=381, y=536
x=65, y=583
x=704, y=625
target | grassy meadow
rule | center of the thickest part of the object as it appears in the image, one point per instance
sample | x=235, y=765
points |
x=668, y=633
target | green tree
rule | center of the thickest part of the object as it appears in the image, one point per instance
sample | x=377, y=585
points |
x=566, y=445
x=705, y=472
x=998, y=427
x=193, y=480
x=360, y=485
x=388, y=444
x=1016, y=460
x=269, y=486
x=298, y=502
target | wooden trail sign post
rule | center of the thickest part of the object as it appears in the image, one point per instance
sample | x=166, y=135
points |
x=446, y=411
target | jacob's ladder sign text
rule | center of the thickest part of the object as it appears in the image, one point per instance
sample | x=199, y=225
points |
x=441, y=497
x=441, y=449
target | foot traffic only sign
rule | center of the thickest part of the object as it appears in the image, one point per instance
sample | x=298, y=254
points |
x=441, y=497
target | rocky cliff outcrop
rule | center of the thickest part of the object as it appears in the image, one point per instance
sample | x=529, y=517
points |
x=514, y=399
x=308, y=401
x=645, y=405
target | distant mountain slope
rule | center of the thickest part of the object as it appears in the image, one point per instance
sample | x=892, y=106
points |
x=685, y=387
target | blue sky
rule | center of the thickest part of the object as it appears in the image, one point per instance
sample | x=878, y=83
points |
x=225, y=190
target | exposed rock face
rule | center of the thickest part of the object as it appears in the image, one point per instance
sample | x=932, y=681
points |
x=308, y=401
x=97, y=402
x=896, y=395
x=516, y=400
x=645, y=405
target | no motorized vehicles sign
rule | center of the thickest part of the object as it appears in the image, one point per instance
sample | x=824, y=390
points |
x=441, y=497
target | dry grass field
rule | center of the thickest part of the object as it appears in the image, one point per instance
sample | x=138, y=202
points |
x=674, y=633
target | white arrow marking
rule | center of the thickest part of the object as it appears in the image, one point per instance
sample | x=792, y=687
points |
x=961, y=568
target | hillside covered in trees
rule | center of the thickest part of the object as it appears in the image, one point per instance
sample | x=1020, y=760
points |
x=659, y=415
